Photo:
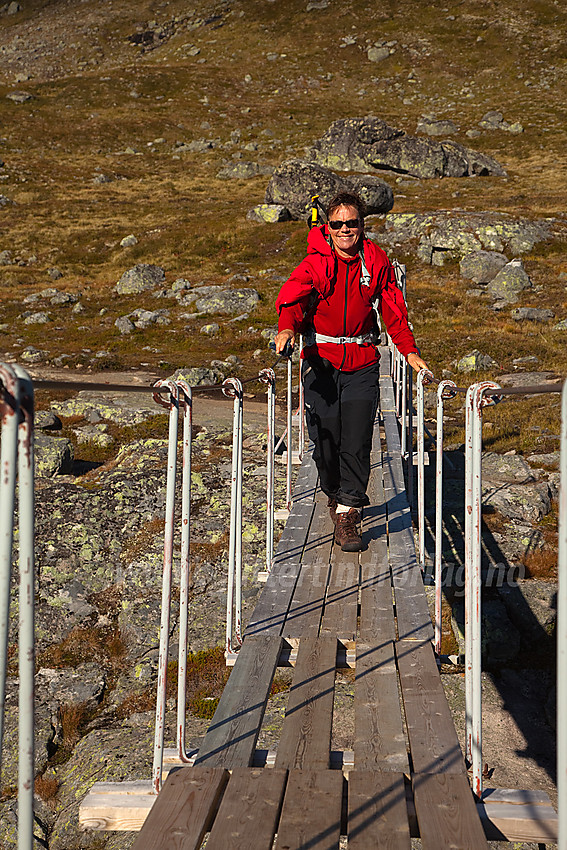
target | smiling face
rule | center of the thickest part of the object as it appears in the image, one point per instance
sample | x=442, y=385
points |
x=346, y=240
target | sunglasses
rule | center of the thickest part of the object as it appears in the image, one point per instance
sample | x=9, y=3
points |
x=350, y=224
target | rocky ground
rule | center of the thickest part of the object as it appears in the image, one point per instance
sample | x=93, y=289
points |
x=99, y=559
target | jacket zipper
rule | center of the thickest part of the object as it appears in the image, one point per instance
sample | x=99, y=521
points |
x=345, y=315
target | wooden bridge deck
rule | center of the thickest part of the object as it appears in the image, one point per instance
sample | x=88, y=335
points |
x=322, y=608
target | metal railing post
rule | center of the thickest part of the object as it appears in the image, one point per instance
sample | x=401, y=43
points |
x=422, y=375
x=404, y=410
x=186, y=399
x=9, y=412
x=409, y=390
x=473, y=584
x=166, y=582
x=26, y=637
x=289, y=436
x=446, y=390
x=301, y=408
x=562, y=636
x=232, y=388
x=267, y=376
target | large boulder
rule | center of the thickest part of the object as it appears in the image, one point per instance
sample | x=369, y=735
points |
x=294, y=183
x=140, y=278
x=231, y=301
x=452, y=235
x=482, y=266
x=511, y=280
x=53, y=455
x=357, y=144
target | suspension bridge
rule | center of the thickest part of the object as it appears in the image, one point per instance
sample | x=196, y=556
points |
x=320, y=610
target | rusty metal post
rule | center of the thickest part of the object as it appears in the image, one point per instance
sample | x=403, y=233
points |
x=186, y=402
x=166, y=581
x=562, y=636
x=473, y=584
x=232, y=388
x=9, y=412
x=267, y=376
x=446, y=390
x=26, y=636
x=409, y=390
x=422, y=375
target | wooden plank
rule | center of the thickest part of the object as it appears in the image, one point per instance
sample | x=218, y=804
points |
x=446, y=813
x=111, y=811
x=524, y=822
x=231, y=738
x=249, y=812
x=341, y=603
x=307, y=603
x=379, y=742
x=377, y=811
x=292, y=542
x=412, y=611
x=183, y=811
x=306, y=734
x=433, y=741
x=270, y=613
x=311, y=813
x=307, y=477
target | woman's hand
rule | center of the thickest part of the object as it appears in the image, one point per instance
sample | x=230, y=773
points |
x=282, y=338
x=415, y=361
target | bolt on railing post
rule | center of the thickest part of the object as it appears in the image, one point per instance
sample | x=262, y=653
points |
x=268, y=377
x=9, y=412
x=473, y=583
x=446, y=389
x=166, y=581
x=422, y=375
x=562, y=636
x=26, y=637
x=232, y=388
x=186, y=399
x=289, y=436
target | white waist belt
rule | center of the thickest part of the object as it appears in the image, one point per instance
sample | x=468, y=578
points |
x=312, y=338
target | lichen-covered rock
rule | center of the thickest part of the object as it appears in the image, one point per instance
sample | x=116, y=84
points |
x=97, y=408
x=140, y=278
x=376, y=193
x=475, y=361
x=560, y=326
x=53, y=455
x=511, y=280
x=243, y=170
x=231, y=301
x=268, y=213
x=355, y=144
x=505, y=469
x=482, y=266
x=532, y=607
x=104, y=755
x=432, y=126
x=532, y=314
x=463, y=233
x=295, y=181
x=530, y=502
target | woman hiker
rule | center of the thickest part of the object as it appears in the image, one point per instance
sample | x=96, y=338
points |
x=329, y=299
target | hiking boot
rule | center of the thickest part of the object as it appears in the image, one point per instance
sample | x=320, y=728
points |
x=332, y=505
x=347, y=534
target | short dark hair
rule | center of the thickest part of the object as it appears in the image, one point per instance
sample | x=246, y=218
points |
x=347, y=199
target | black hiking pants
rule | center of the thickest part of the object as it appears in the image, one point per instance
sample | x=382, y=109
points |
x=340, y=409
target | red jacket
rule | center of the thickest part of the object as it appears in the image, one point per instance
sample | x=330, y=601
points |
x=326, y=292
